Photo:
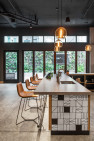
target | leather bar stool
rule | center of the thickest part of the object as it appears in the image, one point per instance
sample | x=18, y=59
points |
x=28, y=85
x=33, y=81
x=38, y=77
x=25, y=95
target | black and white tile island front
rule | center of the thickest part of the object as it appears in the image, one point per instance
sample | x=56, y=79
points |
x=70, y=115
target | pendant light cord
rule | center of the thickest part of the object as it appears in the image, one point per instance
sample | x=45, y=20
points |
x=61, y=12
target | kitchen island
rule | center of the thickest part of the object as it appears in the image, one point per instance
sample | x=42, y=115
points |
x=69, y=105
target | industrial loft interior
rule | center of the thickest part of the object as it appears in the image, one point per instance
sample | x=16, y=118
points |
x=46, y=70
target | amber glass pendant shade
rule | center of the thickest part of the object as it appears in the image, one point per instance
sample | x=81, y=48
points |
x=58, y=43
x=88, y=48
x=60, y=33
x=56, y=49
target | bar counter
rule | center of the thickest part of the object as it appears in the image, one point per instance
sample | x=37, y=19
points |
x=69, y=105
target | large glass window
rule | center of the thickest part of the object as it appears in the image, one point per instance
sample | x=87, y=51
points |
x=26, y=39
x=11, y=39
x=28, y=64
x=49, y=60
x=81, y=61
x=39, y=63
x=70, y=39
x=71, y=61
x=48, y=39
x=37, y=39
x=60, y=60
x=11, y=65
x=81, y=39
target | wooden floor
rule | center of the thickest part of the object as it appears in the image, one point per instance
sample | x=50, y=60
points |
x=28, y=131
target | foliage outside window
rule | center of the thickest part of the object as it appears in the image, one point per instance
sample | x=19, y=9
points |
x=26, y=39
x=11, y=39
x=60, y=60
x=11, y=65
x=39, y=63
x=37, y=39
x=81, y=61
x=71, y=61
x=28, y=64
x=49, y=58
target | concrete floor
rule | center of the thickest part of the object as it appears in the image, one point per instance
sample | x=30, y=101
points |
x=28, y=131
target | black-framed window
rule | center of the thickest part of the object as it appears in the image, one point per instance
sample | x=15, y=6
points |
x=11, y=66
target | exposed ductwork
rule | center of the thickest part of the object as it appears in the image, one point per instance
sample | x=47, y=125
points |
x=21, y=18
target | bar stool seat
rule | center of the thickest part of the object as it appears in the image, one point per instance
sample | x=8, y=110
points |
x=34, y=82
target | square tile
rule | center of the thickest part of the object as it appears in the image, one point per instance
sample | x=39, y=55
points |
x=85, y=103
x=66, y=109
x=66, y=115
x=54, y=121
x=72, y=127
x=78, y=115
x=72, y=115
x=60, y=103
x=60, y=127
x=54, y=128
x=60, y=97
x=78, y=128
x=54, y=103
x=54, y=109
x=54, y=115
x=60, y=121
x=72, y=103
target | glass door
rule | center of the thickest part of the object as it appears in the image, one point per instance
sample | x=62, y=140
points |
x=11, y=66
x=28, y=64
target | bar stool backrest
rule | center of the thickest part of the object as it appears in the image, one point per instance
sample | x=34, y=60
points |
x=36, y=75
x=27, y=83
x=31, y=79
x=20, y=88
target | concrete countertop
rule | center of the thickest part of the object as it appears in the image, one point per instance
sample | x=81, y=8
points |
x=52, y=87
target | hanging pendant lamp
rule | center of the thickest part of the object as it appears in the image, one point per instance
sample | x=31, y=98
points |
x=61, y=32
x=88, y=48
x=58, y=43
x=56, y=49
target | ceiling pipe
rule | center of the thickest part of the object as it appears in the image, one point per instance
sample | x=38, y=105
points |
x=86, y=11
x=21, y=18
x=13, y=24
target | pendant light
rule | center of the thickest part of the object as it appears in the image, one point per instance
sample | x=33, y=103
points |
x=88, y=48
x=56, y=49
x=58, y=43
x=61, y=32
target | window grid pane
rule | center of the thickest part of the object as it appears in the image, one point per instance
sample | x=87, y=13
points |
x=60, y=60
x=48, y=39
x=49, y=59
x=28, y=64
x=27, y=39
x=11, y=65
x=71, y=61
x=37, y=39
x=82, y=39
x=39, y=63
x=11, y=39
x=70, y=39
x=81, y=61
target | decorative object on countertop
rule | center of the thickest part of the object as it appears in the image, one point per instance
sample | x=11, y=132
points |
x=49, y=75
x=67, y=72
